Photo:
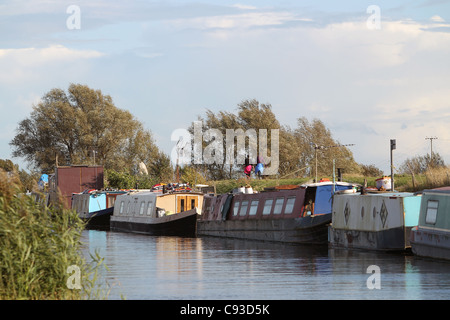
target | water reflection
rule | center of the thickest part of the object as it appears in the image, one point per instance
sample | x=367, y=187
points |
x=145, y=267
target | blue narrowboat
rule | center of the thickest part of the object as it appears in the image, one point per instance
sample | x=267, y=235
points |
x=95, y=207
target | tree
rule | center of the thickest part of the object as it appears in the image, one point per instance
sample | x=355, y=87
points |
x=28, y=181
x=221, y=121
x=160, y=168
x=296, y=154
x=420, y=164
x=311, y=135
x=7, y=165
x=371, y=171
x=82, y=126
x=191, y=176
x=250, y=118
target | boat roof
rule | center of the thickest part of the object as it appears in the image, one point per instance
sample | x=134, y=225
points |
x=327, y=183
x=389, y=194
x=159, y=194
x=139, y=193
x=443, y=190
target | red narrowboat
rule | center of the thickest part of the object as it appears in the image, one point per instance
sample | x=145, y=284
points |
x=295, y=214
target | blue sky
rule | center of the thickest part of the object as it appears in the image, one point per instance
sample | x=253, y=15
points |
x=168, y=61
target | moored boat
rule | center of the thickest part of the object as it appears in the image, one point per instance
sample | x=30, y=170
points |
x=431, y=237
x=95, y=207
x=294, y=214
x=374, y=221
x=152, y=213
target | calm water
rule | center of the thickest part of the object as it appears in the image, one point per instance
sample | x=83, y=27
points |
x=149, y=268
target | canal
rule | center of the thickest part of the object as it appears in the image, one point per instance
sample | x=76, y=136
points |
x=142, y=267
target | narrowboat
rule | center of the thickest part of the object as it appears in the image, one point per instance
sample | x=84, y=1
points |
x=95, y=207
x=152, y=213
x=292, y=214
x=431, y=237
x=374, y=221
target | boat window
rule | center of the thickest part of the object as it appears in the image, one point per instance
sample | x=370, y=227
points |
x=129, y=207
x=149, y=208
x=141, y=209
x=243, y=210
x=121, y=206
x=268, y=206
x=278, y=206
x=432, y=207
x=192, y=203
x=182, y=205
x=253, y=207
x=235, y=208
x=289, y=205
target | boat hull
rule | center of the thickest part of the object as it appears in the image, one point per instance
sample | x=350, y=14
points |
x=430, y=243
x=99, y=219
x=385, y=240
x=379, y=222
x=305, y=230
x=179, y=224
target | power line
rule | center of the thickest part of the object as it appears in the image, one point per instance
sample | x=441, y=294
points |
x=317, y=147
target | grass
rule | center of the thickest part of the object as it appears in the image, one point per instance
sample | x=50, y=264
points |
x=432, y=178
x=39, y=246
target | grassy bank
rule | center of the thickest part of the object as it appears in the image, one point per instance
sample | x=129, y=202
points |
x=40, y=250
x=432, y=178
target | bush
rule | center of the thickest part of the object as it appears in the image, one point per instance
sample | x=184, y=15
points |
x=125, y=180
x=38, y=244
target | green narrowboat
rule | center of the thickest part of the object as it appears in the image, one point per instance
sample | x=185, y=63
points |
x=431, y=238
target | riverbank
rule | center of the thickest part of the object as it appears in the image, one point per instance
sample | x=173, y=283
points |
x=40, y=250
x=432, y=178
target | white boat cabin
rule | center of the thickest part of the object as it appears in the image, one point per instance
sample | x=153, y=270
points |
x=156, y=205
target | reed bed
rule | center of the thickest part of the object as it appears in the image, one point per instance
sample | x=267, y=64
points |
x=40, y=250
x=434, y=177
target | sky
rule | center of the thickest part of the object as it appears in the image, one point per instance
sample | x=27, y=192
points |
x=371, y=71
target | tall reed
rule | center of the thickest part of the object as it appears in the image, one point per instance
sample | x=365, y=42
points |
x=437, y=177
x=39, y=246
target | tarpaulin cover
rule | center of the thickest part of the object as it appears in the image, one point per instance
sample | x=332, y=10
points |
x=324, y=198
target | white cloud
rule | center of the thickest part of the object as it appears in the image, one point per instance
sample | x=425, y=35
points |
x=243, y=6
x=243, y=20
x=34, y=56
x=368, y=86
x=27, y=63
x=23, y=7
x=437, y=18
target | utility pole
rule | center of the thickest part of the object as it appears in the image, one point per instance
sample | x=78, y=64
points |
x=317, y=147
x=431, y=144
x=393, y=147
